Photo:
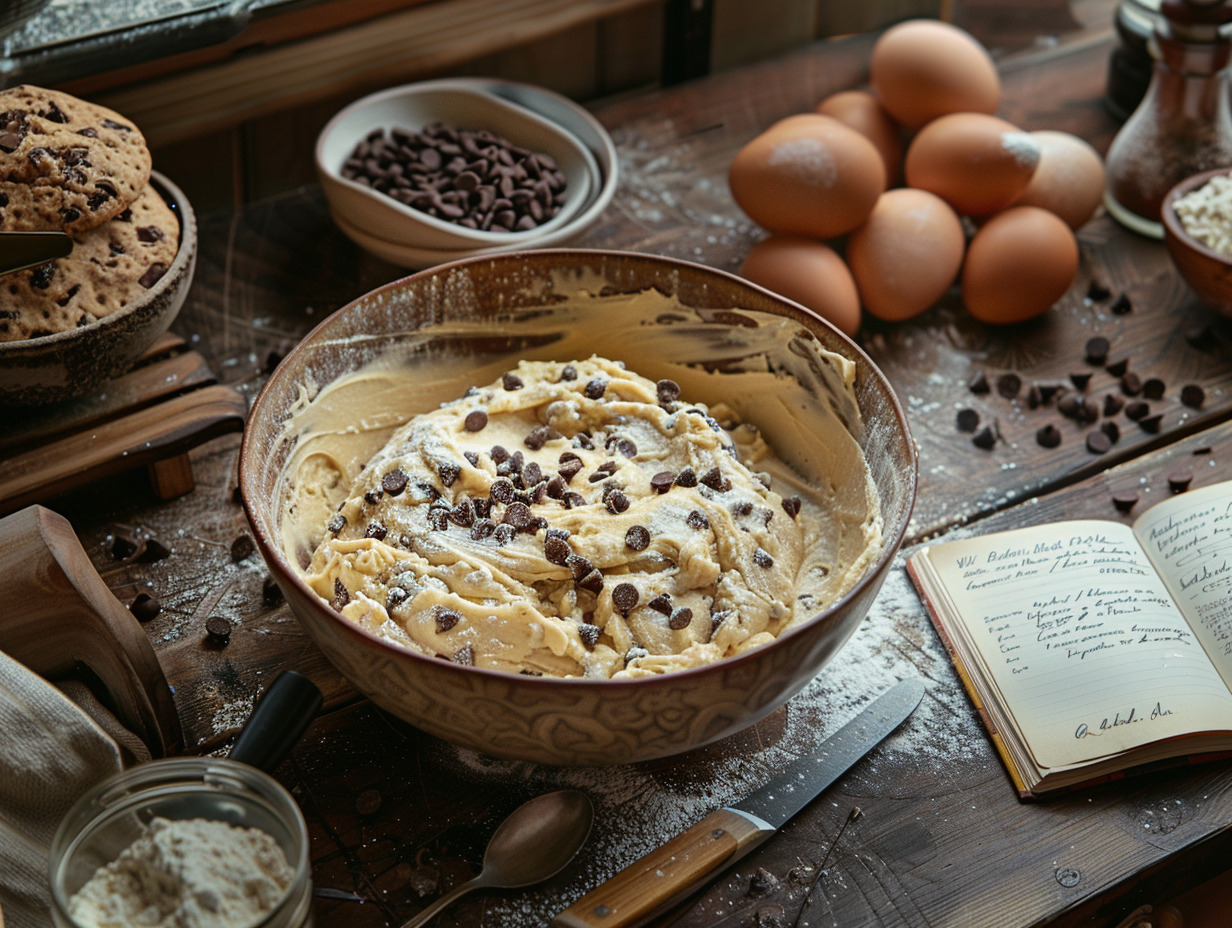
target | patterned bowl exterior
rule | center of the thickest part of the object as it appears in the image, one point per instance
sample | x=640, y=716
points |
x=37, y=371
x=568, y=721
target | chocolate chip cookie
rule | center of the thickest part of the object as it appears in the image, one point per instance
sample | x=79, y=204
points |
x=109, y=267
x=65, y=163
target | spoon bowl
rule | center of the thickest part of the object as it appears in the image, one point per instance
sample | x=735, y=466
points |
x=533, y=844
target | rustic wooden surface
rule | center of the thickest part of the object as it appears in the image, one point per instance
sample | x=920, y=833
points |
x=397, y=817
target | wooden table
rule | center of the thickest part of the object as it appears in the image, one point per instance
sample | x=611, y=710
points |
x=397, y=817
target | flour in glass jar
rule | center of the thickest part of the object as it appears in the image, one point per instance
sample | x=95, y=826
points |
x=188, y=873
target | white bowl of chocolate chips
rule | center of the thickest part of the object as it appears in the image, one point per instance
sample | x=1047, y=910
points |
x=437, y=167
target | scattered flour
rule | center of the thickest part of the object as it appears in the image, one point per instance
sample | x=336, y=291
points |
x=189, y=873
x=1206, y=213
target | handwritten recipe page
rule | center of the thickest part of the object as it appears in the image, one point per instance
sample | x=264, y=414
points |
x=1077, y=631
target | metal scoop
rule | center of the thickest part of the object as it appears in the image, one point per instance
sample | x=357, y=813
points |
x=534, y=843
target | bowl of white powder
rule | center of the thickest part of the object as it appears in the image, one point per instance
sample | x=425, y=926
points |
x=1197, y=218
x=196, y=842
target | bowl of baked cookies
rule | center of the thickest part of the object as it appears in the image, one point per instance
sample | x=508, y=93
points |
x=577, y=507
x=69, y=325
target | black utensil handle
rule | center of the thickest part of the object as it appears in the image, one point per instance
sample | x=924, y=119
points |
x=280, y=716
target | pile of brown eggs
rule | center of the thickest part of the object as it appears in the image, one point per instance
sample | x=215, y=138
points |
x=871, y=198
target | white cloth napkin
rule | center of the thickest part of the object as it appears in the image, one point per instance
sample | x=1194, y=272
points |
x=51, y=751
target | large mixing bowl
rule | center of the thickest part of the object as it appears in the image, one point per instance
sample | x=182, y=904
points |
x=661, y=317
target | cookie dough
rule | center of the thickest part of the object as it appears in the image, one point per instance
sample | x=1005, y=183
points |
x=108, y=268
x=578, y=519
x=65, y=163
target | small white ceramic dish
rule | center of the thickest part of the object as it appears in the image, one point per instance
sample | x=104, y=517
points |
x=414, y=106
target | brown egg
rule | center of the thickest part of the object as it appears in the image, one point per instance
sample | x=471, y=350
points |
x=1069, y=180
x=861, y=110
x=907, y=254
x=1018, y=265
x=808, y=175
x=923, y=68
x=809, y=272
x=978, y=164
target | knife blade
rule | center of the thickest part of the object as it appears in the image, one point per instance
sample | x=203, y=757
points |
x=20, y=250
x=672, y=871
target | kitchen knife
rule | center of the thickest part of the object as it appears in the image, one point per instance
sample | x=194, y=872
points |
x=671, y=872
x=20, y=250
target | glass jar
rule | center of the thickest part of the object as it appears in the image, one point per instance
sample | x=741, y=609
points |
x=112, y=815
x=1131, y=63
x=1183, y=124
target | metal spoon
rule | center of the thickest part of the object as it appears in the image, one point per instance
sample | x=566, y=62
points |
x=535, y=842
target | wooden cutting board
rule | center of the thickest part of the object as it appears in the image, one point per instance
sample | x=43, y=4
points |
x=150, y=417
x=60, y=617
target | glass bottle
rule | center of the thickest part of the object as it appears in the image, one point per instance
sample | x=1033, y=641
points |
x=1183, y=124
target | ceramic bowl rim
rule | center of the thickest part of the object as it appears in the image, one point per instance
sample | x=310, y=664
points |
x=893, y=535
x=174, y=197
x=476, y=238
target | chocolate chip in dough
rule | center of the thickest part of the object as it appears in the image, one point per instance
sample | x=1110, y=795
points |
x=662, y=481
x=476, y=420
x=592, y=582
x=686, y=477
x=624, y=598
x=616, y=502
x=465, y=656
x=342, y=595
x=589, y=635
x=637, y=538
x=680, y=618
x=595, y=388
x=568, y=372
x=762, y=558
x=791, y=505
x=511, y=381
x=570, y=464
x=714, y=479
x=668, y=391
x=445, y=619
x=449, y=472
x=697, y=519
x=556, y=549
x=661, y=603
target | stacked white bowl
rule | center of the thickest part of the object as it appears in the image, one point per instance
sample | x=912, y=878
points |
x=532, y=118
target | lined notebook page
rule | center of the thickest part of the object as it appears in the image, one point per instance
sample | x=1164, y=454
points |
x=1078, y=633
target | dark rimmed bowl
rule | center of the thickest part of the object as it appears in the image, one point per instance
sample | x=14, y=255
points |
x=580, y=721
x=36, y=371
x=1208, y=272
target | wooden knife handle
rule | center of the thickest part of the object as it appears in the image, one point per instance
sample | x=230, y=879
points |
x=651, y=882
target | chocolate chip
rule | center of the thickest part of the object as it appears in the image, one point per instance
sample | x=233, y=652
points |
x=337, y=522
x=697, y=519
x=978, y=383
x=511, y=381
x=1112, y=430
x=396, y=597
x=1126, y=501
x=1097, y=290
x=668, y=391
x=217, y=630
x=1118, y=367
x=573, y=500
x=985, y=438
x=595, y=388
x=463, y=514
x=661, y=603
x=1201, y=337
x=1048, y=437
x=373, y=496
x=501, y=491
x=1008, y=384
x=616, y=502
x=476, y=420
x=570, y=464
x=1193, y=396
x=578, y=566
x=465, y=656
x=1080, y=380
x=394, y=482
x=445, y=619
x=518, y=515
x=438, y=519
x=498, y=454
x=1098, y=442
x=241, y=548
x=1131, y=384
x=589, y=634
x=714, y=479
x=556, y=550
x=1097, y=348
x=152, y=275
x=762, y=558
x=342, y=595
x=1112, y=404
x=662, y=481
x=271, y=592
x=1153, y=388
x=9, y=142
x=122, y=546
x=153, y=550
x=680, y=618
x=592, y=582
x=1035, y=398
x=791, y=505
x=376, y=530
x=504, y=533
x=568, y=372
x=1137, y=410
x=540, y=436
x=1178, y=481
x=623, y=446
x=145, y=607
x=637, y=538
x=1151, y=423
x=967, y=420
x=449, y=472
x=1121, y=305
x=686, y=477
x=624, y=597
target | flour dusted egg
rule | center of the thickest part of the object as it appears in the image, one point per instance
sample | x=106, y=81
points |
x=1069, y=180
x=1018, y=265
x=809, y=272
x=978, y=164
x=907, y=254
x=808, y=175
x=923, y=68
x=862, y=111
